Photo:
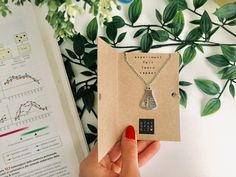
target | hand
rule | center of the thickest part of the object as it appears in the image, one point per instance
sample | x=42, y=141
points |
x=123, y=160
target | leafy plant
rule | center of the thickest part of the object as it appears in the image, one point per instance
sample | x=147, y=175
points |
x=62, y=13
x=166, y=31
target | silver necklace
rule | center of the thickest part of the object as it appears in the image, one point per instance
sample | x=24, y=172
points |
x=148, y=101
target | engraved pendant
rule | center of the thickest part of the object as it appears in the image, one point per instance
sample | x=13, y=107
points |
x=148, y=102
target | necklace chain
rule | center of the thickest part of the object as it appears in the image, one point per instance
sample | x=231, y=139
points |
x=154, y=77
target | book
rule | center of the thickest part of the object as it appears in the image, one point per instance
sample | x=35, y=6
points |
x=123, y=98
x=40, y=130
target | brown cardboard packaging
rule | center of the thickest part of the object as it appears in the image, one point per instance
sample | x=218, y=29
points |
x=120, y=92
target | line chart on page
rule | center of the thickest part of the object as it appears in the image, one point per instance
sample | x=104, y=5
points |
x=22, y=114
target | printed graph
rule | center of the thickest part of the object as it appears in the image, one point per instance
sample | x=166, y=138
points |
x=17, y=86
x=27, y=107
x=3, y=119
x=25, y=76
x=22, y=114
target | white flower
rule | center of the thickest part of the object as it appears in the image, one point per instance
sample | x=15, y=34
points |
x=105, y=10
x=70, y=11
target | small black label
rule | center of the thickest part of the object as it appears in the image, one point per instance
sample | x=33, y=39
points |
x=146, y=126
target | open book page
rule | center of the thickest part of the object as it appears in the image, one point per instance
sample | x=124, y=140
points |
x=35, y=139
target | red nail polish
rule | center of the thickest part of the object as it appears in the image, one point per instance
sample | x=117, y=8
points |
x=130, y=132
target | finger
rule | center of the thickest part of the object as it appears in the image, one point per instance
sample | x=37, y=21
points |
x=116, y=168
x=93, y=155
x=115, y=153
x=141, y=147
x=129, y=153
x=148, y=153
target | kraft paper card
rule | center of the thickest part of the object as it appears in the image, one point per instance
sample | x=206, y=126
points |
x=123, y=98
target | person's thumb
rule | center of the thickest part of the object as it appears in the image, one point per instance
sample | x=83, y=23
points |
x=129, y=153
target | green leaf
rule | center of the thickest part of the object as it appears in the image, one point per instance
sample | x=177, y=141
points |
x=111, y=33
x=207, y=86
x=205, y=23
x=222, y=71
x=195, y=22
x=146, y=42
x=185, y=83
x=92, y=128
x=90, y=58
x=180, y=59
x=90, y=137
x=38, y=2
x=194, y=34
x=232, y=23
x=92, y=29
x=121, y=37
x=105, y=39
x=158, y=16
x=199, y=3
x=52, y=5
x=79, y=93
x=88, y=99
x=182, y=4
x=78, y=45
x=213, y=32
x=87, y=73
x=178, y=21
x=232, y=90
x=160, y=35
x=199, y=47
x=181, y=46
x=170, y=11
x=71, y=54
x=135, y=10
x=218, y=60
x=211, y=107
x=229, y=52
x=117, y=22
x=183, y=97
x=227, y=11
x=139, y=32
x=170, y=25
x=230, y=73
x=189, y=55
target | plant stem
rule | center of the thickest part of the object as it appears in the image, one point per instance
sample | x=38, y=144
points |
x=181, y=68
x=140, y=26
x=222, y=91
x=222, y=26
x=158, y=26
x=125, y=47
x=135, y=48
x=153, y=47
x=94, y=113
x=228, y=31
x=82, y=112
x=72, y=61
x=215, y=44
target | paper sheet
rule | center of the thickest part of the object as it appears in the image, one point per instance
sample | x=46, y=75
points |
x=34, y=137
x=121, y=91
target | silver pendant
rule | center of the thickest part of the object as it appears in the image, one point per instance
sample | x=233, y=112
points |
x=148, y=102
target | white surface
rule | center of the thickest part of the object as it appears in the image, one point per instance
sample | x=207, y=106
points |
x=207, y=148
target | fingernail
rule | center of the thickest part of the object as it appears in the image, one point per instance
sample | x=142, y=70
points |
x=130, y=132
